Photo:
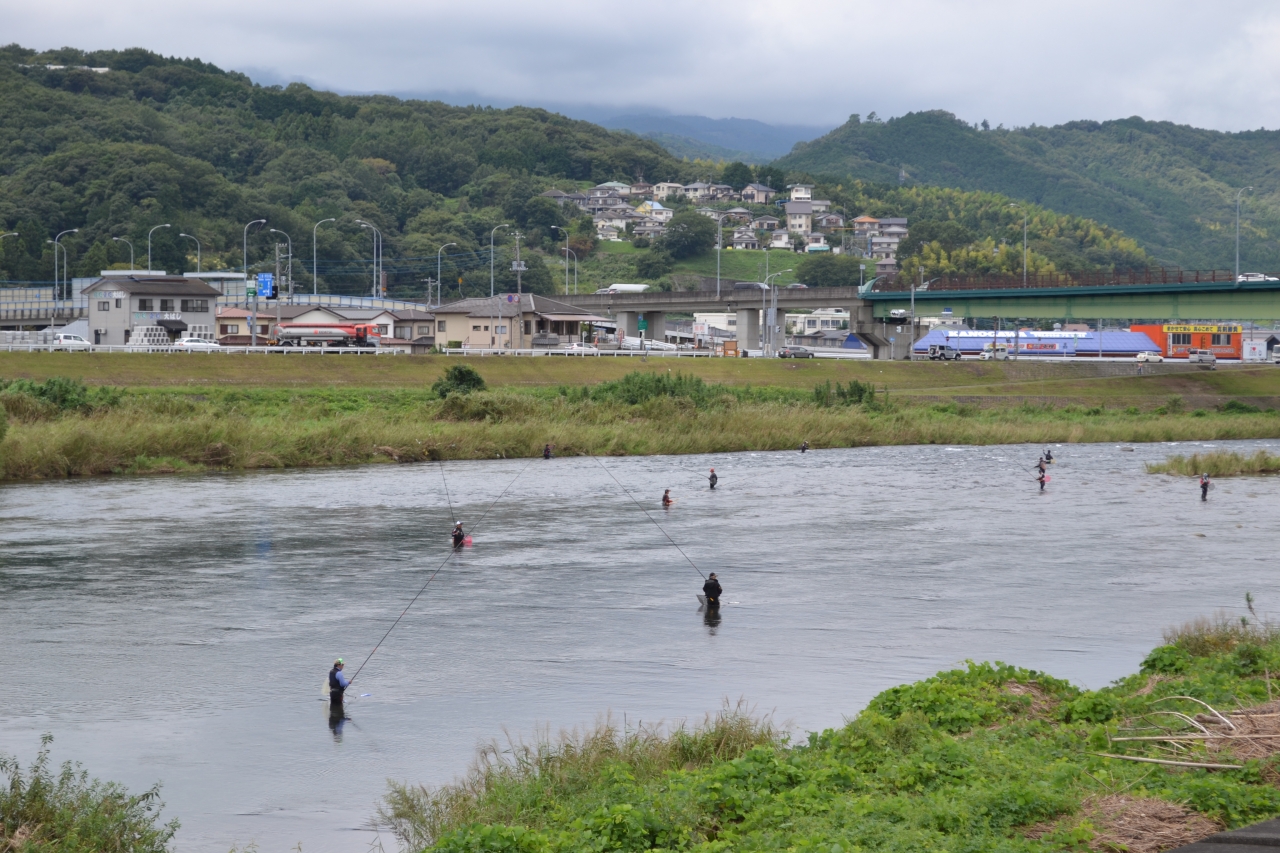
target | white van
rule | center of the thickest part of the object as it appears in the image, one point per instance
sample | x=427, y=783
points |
x=624, y=288
x=69, y=342
x=1202, y=356
x=997, y=352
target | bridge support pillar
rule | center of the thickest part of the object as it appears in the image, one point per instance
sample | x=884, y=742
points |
x=748, y=328
x=657, y=323
x=628, y=324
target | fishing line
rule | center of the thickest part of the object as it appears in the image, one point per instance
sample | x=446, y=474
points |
x=438, y=568
x=650, y=517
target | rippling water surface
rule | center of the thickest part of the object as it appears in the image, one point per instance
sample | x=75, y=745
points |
x=179, y=629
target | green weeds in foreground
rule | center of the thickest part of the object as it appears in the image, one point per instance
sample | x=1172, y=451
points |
x=990, y=757
x=41, y=810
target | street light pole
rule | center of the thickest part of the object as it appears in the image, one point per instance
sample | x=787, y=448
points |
x=575, y=269
x=770, y=337
x=66, y=282
x=1242, y=192
x=439, y=286
x=566, y=257
x=1024, y=244
x=166, y=225
x=290, y=239
x=315, y=269
x=491, y=233
x=719, y=246
x=253, y=317
x=377, y=251
x=189, y=237
x=130, y=245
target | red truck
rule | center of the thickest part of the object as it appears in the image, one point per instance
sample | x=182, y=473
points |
x=325, y=335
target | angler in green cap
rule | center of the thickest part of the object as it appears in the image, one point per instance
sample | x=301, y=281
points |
x=338, y=684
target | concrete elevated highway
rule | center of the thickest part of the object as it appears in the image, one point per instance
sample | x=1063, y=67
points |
x=872, y=312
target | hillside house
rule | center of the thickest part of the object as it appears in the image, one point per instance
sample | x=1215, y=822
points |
x=821, y=205
x=866, y=226
x=620, y=188
x=650, y=228
x=560, y=197
x=766, y=223
x=758, y=194
x=745, y=238
x=697, y=191
x=738, y=214
x=656, y=210
x=799, y=216
x=640, y=189
x=781, y=239
x=827, y=220
x=665, y=189
x=816, y=242
x=801, y=192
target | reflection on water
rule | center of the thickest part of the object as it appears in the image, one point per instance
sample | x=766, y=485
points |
x=177, y=629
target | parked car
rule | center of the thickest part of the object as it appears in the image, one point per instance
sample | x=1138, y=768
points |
x=1256, y=276
x=69, y=342
x=750, y=285
x=197, y=343
x=999, y=352
x=797, y=286
x=795, y=352
x=1202, y=356
x=580, y=347
x=1153, y=357
x=944, y=352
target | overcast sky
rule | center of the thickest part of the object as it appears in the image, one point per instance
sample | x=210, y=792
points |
x=1209, y=64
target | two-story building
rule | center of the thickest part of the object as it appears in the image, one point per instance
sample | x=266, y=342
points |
x=665, y=189
x=799, y=216
x=656, y=210
x=758, y=194
x=745, y=238
x=129, y=306
x=801, y=192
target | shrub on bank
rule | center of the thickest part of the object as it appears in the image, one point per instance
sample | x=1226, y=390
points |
x=68, y=812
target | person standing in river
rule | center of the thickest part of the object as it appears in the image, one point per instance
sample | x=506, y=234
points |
x=804, y=445
x=1040, y=472
x=713, y=479
x=458, y=536
x=667, y=500
x=711, y=589
x=338, y=684
x=1204, y=486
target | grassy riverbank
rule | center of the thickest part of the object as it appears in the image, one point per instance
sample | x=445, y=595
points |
x=60, y=428
x=1217, y=464
x=990, y=757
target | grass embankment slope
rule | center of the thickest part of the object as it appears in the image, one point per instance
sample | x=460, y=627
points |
x=139, y=413
x=986, y=758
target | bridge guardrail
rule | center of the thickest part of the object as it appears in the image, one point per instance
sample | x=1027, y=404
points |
x=607, y=353
x=221, y=350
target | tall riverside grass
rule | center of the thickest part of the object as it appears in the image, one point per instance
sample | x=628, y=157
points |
x=1217, y=464
x=512, y=782
x=149, y=430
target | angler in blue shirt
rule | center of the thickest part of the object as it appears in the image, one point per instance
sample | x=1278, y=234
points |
x=337, y=683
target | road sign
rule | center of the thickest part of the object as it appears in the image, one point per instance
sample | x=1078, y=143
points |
x=892, y=339
x=642, y=324
x=250, y=287
x=266, y=285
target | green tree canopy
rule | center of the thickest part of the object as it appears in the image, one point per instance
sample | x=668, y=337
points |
x=737, y=175
x=689, y=234
x=827, y=270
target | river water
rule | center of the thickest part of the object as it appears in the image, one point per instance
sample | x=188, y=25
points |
x=179, y=629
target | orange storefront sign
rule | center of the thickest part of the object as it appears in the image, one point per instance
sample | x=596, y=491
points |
x=1224, y=341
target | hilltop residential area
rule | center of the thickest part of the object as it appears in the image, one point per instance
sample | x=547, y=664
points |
x=794, y=221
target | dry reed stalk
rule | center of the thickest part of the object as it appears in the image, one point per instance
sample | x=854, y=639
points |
x=1134, y=824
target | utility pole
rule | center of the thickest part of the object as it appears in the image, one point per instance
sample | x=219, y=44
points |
x=1242, y=192
x=519, y=267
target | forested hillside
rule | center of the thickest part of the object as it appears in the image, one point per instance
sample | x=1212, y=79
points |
x=1171, y=187
x=157, y=140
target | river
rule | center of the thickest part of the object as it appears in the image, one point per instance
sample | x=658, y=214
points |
x=179, y=629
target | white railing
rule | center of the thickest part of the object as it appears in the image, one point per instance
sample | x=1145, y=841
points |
x=34, y=347
x=612, y=353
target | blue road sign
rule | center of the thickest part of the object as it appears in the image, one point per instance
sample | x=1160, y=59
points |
x=265, y=282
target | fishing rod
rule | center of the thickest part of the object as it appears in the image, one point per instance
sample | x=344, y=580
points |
x=438, y=568
x=650, y=517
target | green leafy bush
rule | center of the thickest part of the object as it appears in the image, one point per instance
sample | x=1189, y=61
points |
x=458, y=379
x=1167, y=660
x=69, y=813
